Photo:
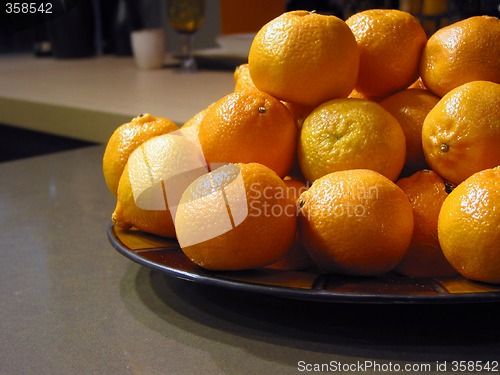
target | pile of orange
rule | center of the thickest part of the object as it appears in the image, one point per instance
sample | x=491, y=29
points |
x=356, y=147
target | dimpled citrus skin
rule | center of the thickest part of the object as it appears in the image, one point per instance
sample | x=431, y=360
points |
x=350, y=133
x=125, y=139
x=264, y=235
x=426, y=191
x=469, y=227
x=355, y=222
x=461, y=134
x=243, y=81
x=249, y=126
x=305, y=58
x=465, y=51
x=390, y=43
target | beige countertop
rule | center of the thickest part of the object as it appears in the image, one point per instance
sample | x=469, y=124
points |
x=89, y=98
x=71, y=304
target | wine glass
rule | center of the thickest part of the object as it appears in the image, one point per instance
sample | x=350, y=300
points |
x=186, y=17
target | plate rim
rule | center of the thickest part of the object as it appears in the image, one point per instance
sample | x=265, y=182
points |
x=208, y=277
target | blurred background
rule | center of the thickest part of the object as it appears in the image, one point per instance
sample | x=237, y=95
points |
x=99, y=27
x=88, y=29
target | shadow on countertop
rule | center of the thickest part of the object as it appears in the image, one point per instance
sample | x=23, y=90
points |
x=282, y=330
x=17, y=143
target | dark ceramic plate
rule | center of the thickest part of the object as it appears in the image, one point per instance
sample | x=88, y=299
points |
x=165, y=255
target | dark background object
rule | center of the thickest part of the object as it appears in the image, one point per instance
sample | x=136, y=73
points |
x=73, y=34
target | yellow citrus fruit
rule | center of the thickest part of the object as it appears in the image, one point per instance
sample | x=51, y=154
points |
x=305, y=58
x=350, y=134
x=465, y=51
x=127, y=215
x=125, y=139
x=236, y=217
x=153, y=180
x=410, y=107
x=426, y=191
x=390, y=43
x=296, y=258
x=468, y=227
x=249, y=126
x=355, y=222
x=461, y=134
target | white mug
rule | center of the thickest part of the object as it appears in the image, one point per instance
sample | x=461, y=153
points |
x=148, y=47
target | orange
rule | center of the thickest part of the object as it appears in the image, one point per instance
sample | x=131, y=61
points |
x=305, y=58
x=249, y=126
x=349, y=134
x=236, y=217
x=242, y=79
x=426, y=191
x=299, y=111
x=296, y=258
x=468, y=227
x=355, y=222
x=359, y=95
x=410, y=107
x=390, y=43
x=418, y=84
x=196, y=119
x=191, y=127
x=153, y=181
x=461, y=134
x=295, y=172
x=125, y=139
x=465, y=51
